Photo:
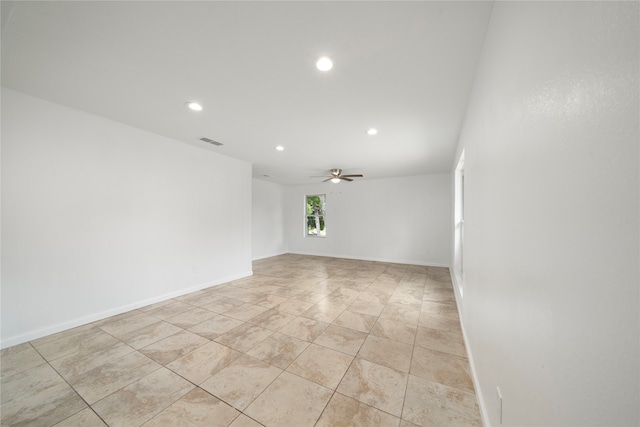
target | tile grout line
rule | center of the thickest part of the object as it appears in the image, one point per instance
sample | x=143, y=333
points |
x=71, y=387
x=406, y=386
x=335, y=390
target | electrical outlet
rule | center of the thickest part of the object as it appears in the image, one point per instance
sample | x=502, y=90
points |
x=499, y=404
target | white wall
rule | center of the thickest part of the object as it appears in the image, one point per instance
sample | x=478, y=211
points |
x=551, y=284
x=268, y=219
x=99, y=218
x=403, y=220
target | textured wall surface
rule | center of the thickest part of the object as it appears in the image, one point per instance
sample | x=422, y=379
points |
x=551, y=279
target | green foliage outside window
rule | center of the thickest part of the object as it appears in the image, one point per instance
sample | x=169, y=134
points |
x=315, y=216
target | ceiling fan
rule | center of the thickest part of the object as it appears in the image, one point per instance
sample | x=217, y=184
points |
x=336, y=176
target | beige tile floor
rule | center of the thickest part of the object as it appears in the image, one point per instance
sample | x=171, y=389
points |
x=305, y=341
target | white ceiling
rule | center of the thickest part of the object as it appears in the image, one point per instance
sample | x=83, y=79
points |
x=405, y=68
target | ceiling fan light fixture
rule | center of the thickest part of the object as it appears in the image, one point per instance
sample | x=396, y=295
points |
x=335, y=180
x=324, y=63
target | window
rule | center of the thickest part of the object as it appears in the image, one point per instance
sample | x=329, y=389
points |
x=316, y=226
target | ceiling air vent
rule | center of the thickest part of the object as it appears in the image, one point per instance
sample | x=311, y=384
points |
x=211, y=141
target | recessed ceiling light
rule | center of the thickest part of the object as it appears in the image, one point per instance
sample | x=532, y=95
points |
x=194, y=106
x=280, y=148
x=324, y=63
x=372, y=131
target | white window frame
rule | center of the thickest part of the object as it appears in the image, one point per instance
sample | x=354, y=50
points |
x=318, y=217
x=459, y=224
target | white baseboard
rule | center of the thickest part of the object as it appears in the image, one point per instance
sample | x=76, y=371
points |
x=32, y=335
x=474, y=377
x=269, y=256
x=386, y=260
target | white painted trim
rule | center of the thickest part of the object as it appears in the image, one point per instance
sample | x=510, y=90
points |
x=476, y=383
x=269, y=256
x=391, y=261
x=11, y=341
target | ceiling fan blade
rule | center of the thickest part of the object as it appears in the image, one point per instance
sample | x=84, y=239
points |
x=336, y=174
